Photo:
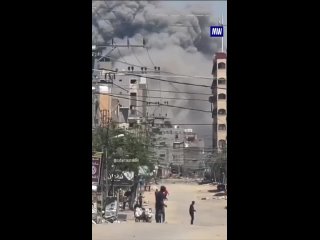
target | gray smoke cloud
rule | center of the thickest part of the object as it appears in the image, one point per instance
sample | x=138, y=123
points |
x=178, y=42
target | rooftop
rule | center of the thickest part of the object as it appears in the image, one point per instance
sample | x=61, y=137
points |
x=220, y=55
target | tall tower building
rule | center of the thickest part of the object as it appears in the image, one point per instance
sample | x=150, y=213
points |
x=219, y=101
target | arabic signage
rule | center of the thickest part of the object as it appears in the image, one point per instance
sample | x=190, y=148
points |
x=96, y=168
x=125, y=160
x=122, y=178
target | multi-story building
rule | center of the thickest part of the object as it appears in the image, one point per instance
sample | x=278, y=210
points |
x=162, y=141
x=102, y=105
x=193, y=153
x=219, y=101
x=177, y=151
x=131, y=93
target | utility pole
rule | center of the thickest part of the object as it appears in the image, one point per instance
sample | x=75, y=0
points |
x=97, y=56
x=104, y=120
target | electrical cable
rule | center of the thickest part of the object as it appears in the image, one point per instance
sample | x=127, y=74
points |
x=158, y=79
x=183, y=99
x=158, y=104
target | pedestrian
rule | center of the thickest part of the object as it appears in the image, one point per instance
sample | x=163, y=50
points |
x=126, y=199
x=160, y=205
x=191, y=211
x=155, y=194
x=155, y=205
x=140, y=200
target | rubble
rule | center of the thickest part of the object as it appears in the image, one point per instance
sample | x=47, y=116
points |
x=205, y=198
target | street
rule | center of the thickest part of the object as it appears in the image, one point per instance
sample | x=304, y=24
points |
x=210, y=217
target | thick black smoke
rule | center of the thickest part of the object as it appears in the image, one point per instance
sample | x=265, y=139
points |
x=178, y=42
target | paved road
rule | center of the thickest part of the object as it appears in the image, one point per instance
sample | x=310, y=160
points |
x=210, y=219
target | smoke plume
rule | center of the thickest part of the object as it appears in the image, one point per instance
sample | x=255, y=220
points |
x=178, y=42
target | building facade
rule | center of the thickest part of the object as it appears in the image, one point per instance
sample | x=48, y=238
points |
x=219, y=101
x=131, y=93
x=193, y=154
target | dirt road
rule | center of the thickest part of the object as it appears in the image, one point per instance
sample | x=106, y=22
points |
x=210, y=218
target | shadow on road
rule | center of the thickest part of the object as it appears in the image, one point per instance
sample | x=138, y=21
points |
x=213, y=191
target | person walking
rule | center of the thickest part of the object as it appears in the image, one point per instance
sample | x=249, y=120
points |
x=191, y=211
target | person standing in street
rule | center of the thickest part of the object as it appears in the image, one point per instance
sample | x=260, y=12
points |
x=140, y=198
x=155, y=205
x=160, y=205
x=191, y=211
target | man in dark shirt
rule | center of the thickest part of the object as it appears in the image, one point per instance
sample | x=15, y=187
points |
x=160, y=205
x=191, y=211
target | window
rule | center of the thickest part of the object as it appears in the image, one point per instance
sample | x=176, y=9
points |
x=120, y=80
x=222, y=112
x=133, y=81
x=221, y=96
x=221, y=81
x=176, y=145
x=162, y=155
x=222, y=144
x=133, y=94
x=221, y=65
x=222, y=127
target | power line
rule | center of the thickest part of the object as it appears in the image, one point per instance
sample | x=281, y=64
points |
x=135, y=65
x=150, y=57
x=199, y=124
x=158, y=104
x=163, y=80
x=183, y=75
x=183, y=99
x=121, y=88
x=169, y=91
x=120, y=54
x=156, y=90
x=159, y=79
x=136, y=56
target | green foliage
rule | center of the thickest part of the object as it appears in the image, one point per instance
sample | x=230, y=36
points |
x=132, y=145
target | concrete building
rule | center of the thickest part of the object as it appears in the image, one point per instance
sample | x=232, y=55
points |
x=193, y=154
x=104, y=108
x=177, y=150
x=219, y=101
x=131, y=93
x=162, y=141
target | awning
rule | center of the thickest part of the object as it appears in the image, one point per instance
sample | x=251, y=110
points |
x=144, y=171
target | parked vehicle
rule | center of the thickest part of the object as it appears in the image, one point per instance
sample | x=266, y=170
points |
x=109, y=219
x=142, y=214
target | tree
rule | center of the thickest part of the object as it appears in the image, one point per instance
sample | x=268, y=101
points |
x=123, y=144
x=219, y=166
